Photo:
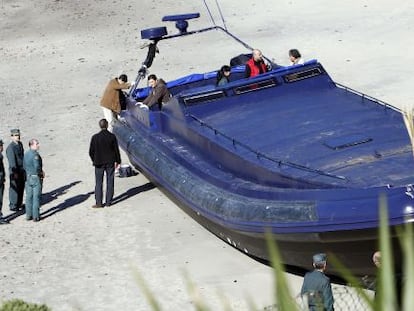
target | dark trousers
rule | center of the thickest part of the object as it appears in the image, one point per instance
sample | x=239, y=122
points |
x=109, y=171
x=1, y=197
x=16, y=190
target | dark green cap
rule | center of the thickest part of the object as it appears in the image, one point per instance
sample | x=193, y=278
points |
x=14, y=132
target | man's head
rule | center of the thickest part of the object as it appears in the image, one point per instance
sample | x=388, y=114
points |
x=257, y=55
x=103, y=124
x=294, y=54
x=34, y=144
x=1, y=145
x=123, y=78
x=226, y=70
x=376, y=259
x=15, y=134
x=152, y=80
x=319, y=261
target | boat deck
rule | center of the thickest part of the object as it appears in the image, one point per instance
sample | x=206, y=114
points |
x=293, y=123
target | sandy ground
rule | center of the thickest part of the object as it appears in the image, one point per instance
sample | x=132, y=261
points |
x=55, y=59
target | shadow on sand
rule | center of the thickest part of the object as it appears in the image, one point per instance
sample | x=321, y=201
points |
x=70, y=202
x=54, y=194
x=133, y=191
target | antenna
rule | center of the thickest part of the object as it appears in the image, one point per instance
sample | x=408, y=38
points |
x=221, y=14
x=209, y=13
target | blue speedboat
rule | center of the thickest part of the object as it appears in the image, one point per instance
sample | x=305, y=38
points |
x=289, y=151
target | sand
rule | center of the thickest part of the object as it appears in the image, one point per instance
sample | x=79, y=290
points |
x=56, y=58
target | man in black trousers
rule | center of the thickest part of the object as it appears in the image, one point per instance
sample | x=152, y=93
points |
x=104, y=153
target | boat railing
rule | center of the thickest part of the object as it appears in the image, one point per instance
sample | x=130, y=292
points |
x=260, y=155
x=365, y=96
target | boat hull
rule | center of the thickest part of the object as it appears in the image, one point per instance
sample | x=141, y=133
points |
x=353, y=246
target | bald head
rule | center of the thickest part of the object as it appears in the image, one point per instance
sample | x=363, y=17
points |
x=257, y=55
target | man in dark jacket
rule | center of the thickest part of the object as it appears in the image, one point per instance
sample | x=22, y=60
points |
x=159, y=93
x=2, y=180
x=15, y=153
x=105, y=156
x=317, y=286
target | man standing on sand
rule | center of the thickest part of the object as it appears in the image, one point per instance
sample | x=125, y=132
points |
x=15, y=153
x=2, y=180
x=105, y=156
x=34, y=177
x=317, y=286
x=110, y=102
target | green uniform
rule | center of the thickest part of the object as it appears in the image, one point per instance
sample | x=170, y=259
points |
x=2, y=180
x=317, y=287
x=34, y=173
x=15, y=154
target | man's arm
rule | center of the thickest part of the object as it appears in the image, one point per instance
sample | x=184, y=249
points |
x=247, y=71
x=328, y=300
x=11, y=159
x=92, y=149
x=122, y=86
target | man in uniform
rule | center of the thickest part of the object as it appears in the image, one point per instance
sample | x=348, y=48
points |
x=2, y=180
x=105, y=156
x=34, y=176
x=317, y=286
x=15, y=153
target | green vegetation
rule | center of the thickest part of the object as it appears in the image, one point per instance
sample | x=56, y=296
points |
x=20, y=305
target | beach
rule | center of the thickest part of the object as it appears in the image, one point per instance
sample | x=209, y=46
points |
x=56, y=59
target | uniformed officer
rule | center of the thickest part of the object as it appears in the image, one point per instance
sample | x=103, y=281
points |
x=2, y=180
x=317, y=286
x=15, y=153
x=34, y=176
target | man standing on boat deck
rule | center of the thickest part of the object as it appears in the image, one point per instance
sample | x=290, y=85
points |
x=111, y=99
x=255, y=65
x=317, y=286
x=159, y=93
x=15, y=153
x=105, y=156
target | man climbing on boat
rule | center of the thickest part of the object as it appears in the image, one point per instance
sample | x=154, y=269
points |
x=159, y=93
x=111, y=99
x=255, y=65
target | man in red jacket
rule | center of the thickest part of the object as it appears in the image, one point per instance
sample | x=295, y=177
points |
x=255, y=65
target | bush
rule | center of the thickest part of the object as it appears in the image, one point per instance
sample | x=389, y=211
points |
x=20, y=305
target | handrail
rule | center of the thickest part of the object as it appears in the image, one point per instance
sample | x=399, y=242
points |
x=259, y=155
x=365, y=96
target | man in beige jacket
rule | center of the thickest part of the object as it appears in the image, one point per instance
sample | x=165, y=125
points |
x=110, y=102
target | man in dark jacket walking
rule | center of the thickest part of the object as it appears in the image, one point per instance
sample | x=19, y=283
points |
x=317, y=286
x=105, y=156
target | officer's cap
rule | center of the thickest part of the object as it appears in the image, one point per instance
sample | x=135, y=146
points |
x=319, y=258
x=14, y=132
